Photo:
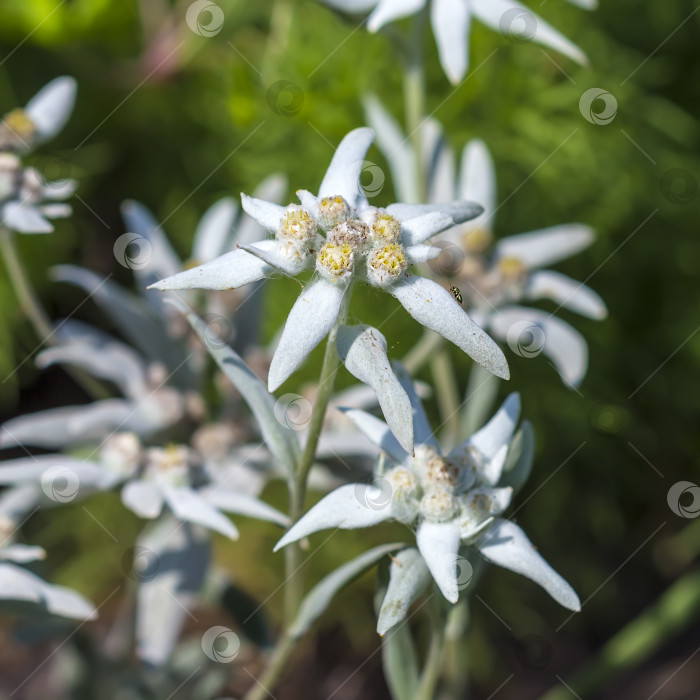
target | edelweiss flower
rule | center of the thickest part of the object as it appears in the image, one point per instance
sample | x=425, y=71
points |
x=494, y=282
x=344, y=238
x=451, y=20
x=26, y=200
x=451, y=500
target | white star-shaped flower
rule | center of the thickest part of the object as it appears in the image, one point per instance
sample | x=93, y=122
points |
x=451, y=500
x=345, y=239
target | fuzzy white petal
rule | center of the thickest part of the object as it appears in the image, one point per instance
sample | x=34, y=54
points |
x=562, y=343
x=363, y=352
x=439, y=544
x=450, y=20
x=573, y=295
x=496, y=434
x=435, y=308
x=230, y=501
x=423, y=433
x=546, y=246
x=419, y=229
x=378, y=432
x=478, y=182
x=187, y=505
x=408, y=578
x=308, y=323
x=396, y=149
x=511, y=17
x=422, y=253
x=343, y=174
x=50, y=108
x=390, y=10
x=459, y=211
x=214, y=230
x=24, y=218
x=348, y=507
x=506, y=545
x=279, y=260
x=232, y=270
x=143, y=498
x=267, y=214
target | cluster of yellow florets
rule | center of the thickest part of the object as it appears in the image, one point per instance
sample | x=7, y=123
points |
x=20, y=129
x=385, y=264
x=298, y=229
x=352, y=232
x=385, y=228
x=335, y=260
x=332, y=210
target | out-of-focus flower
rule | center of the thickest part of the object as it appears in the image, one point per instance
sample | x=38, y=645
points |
x=345, y=239
x=452, y=500
x=22, y=589
x=451, y=22
x=27, y=201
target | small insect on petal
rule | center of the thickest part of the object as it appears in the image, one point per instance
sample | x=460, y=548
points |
x=456, y=293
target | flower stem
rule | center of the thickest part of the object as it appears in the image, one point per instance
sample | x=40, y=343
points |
x=433, y=664
x=28, y=301
x=293, y=587
x=448, y=398
x=32, y=308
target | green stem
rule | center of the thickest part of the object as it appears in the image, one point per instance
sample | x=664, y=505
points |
x=32, y=308
x=293, y=588
x=273, y=671
x=447, y=396
x=478, y=400
x=422, y=351
x=28, y=301
x=414, y=96
x=433, y=662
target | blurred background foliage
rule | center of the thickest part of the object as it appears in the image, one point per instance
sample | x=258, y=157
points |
x=176, y=120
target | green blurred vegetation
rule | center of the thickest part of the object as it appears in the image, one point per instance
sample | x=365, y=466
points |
x=177, y=120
